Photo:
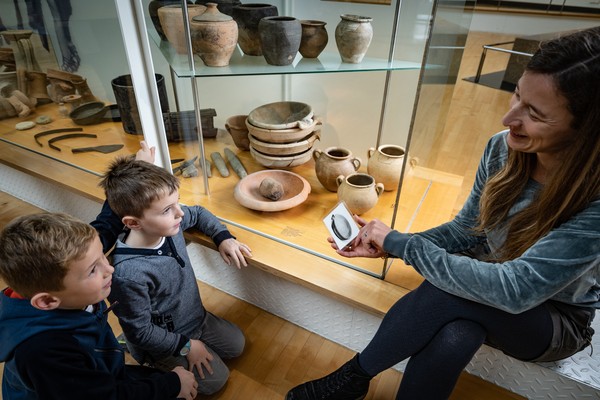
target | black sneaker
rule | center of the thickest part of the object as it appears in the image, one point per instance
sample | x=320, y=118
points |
x=349, y=382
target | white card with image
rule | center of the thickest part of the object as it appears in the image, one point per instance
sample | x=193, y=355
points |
x=341, y=225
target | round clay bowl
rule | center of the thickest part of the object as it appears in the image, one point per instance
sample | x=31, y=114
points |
x=281, y=115
x=284, y=149
x=281, y=135
x=280, y=161
x=89, y=113
x=296, y=190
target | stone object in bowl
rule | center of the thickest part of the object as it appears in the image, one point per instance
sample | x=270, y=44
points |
x=296, y=190
x=280, y=161
x=282, y=135
x=285, y=149
x=282, y=115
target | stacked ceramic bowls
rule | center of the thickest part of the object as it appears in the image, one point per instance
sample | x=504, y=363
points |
x=282, y=134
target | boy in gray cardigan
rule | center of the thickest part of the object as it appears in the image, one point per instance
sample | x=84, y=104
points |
x=159, y=305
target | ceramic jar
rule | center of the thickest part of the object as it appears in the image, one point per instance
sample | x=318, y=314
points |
x=236, y=126
x=385, y=165
x=314, y=38
x=359, y=192
x=353, y=36
x=224, y=6
x=333, y=162
x=247, y=17
x=171, y=21
x=214, y=36
x=279, y=39
x=153, y=7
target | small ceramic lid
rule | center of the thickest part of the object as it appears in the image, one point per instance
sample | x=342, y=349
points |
x=212, y=14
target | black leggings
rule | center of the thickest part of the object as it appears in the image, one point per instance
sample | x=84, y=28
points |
x=441, y=332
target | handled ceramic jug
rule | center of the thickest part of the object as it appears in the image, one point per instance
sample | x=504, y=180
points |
x=359, y=192
x=385, y=165
x=331, y=163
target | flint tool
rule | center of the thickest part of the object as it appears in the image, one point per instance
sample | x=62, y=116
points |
x=220, y=164
x=235, y=163
x=184, y=164
x=108, y=148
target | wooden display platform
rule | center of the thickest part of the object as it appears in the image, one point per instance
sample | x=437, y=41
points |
x=427, y=200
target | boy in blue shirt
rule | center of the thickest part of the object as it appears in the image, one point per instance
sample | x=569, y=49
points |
x=55, y=339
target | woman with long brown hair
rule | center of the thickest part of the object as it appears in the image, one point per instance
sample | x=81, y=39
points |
x=519, y=266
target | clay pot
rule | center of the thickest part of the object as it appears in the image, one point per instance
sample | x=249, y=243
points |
x=283, y=135
x=224, y=6
x=247, y=16
x=353, y=36
x=171, y=21
x=284, y=149
x=333, y=162
x=126, y=102
x=385, y=165
x=314, y=38
x=359, y=192
x=280, y=39
x=236, y=126
x=287, y=161
x=214, y=36
x=153, y=7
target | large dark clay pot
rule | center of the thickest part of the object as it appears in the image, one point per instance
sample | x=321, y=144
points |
x=280, y=39
x=247, y=17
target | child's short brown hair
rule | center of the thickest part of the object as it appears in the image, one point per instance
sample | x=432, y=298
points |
x=36, y=250
x=132, y=185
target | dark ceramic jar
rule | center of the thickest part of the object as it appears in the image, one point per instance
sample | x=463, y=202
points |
x=280, y=39
x=247, y=17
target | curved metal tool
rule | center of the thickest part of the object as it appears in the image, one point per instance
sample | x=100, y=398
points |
x=69, y=136
x=107, y=148
x=53, y=131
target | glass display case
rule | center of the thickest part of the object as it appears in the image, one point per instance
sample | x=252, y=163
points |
x=185, y=105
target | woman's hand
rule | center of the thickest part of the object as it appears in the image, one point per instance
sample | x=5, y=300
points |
x=368, y=242
x=234, y=252
x=189, y=386
x=199, y=357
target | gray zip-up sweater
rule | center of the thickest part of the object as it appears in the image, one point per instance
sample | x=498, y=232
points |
x=564, y=265
x=159, y=305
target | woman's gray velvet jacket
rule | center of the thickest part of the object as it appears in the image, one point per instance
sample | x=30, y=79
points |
x=564, y=265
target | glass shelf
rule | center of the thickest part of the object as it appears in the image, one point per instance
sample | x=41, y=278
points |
x=241, y=64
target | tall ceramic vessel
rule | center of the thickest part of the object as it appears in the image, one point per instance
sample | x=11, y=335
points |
x=224, y=6
x=385, y=165
x=247, y=17
x=280, y=39
x=214, y=36
x=171, y=21
x=359, y=191
x=153, y=7
x=333, y=162
x=314, y=38
x=353, y=36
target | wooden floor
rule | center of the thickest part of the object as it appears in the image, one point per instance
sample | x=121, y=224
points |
x=279, y=354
